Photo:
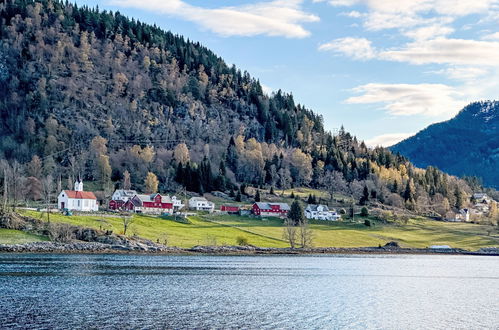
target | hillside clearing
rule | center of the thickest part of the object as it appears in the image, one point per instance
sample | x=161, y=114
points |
x=225, y=229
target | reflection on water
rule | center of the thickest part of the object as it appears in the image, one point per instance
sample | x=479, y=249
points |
x=355, y=292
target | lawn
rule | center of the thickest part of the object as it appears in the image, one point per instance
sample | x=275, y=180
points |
x=9, y=236
x=417, y=233
x=225, y=229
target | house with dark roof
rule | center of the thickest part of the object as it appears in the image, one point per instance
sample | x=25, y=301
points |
x=150, y=204
x=264, y=209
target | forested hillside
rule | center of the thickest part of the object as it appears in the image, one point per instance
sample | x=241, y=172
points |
x=93, y=93
x=468, y=144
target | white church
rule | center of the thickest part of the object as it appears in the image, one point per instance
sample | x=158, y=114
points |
x=77, y=200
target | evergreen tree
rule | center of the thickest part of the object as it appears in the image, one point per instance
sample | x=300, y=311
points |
x=257, y=196
x=459, y=198
x=271, y=192
x=409, y=191
x=365, y=196
x=238, y=196
x=295, y=214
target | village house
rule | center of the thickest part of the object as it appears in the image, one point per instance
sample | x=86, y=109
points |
x=270, y=209
x=481, y=198
x=77, y=199
x=230, y=209
x=120, y=197
x=177, y=203
x=321, y=212
x=462, y=216
x=149, y=204
x=201, y=204
x=123, y=195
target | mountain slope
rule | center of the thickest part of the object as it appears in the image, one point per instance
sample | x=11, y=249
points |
x=468, y=144
x=95, y=94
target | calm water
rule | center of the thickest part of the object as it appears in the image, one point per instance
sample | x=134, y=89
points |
x=300, y=292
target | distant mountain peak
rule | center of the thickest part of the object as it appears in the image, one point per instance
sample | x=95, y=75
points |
x=465, y=145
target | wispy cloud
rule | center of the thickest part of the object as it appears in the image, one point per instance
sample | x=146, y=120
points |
x=357, y=48
x=411, y=99
x=275, y=18
x=448, y=51
x=387, y=140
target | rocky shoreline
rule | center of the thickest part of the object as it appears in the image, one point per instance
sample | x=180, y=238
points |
x=147, y=247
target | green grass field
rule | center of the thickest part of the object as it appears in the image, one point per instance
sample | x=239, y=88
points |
x=8, y=236
x=225, y=229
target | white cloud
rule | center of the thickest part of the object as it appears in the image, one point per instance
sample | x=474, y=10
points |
x=357, y=48
x=411, y=99
x=492, y=36
x=449, y=51
x=387, y=140
x=266, y=89
x=463, y=73
x=429, y=32
x=275, y=18
x=411, y=7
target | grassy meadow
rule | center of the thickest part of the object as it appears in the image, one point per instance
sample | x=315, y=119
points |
x=268, y=232
x=8, y=236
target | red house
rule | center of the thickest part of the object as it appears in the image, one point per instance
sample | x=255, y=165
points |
x=229, y=208
x=271, y=209
x=152, y=204
x=116, y=204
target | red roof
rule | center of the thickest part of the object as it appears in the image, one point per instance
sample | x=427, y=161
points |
x=80, y=194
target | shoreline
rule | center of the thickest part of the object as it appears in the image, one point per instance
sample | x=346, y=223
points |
x=156, y=249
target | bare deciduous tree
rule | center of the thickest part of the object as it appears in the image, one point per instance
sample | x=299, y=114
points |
x=290, y=232
x=47, y=188
x=305, y=234
x=127, y=221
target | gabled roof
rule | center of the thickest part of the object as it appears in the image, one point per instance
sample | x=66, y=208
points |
x=126, y=193
x=314, y=207
x=146, y=198
x=198, y=199
x=80, y=194
x=268, y=206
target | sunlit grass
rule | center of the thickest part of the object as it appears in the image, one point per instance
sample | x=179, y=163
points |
x=9, y=236
x=224, y=230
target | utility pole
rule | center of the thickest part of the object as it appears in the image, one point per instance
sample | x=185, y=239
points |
x=5, y=189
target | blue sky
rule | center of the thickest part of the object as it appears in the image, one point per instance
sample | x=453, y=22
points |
x=384, y=69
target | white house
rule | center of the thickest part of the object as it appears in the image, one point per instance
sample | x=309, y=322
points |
x=321, y=212
x=123, y=195
x=201, y=204
x=177, y=203
x=77, y=200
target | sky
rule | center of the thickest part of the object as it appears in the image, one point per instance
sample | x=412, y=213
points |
x=384, y=69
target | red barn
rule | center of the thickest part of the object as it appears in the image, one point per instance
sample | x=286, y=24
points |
x=229, y=208
x=152, y=204
x=271, y=209
x=116, y=204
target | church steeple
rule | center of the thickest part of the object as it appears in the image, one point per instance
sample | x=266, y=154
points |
x=79, y=184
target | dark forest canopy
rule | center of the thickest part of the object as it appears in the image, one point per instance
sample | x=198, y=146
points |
x=94, y=93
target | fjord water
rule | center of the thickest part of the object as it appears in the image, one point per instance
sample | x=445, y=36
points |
x=320, y=292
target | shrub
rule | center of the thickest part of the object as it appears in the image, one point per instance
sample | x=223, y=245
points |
x=367, y=223
x=243, y=241
x=343, y=211
x=364, y=212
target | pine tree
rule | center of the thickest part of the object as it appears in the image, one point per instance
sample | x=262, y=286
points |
x=365, y=196
x=257, y=196
x=238, y=196
x=459, y=198
x=296, y=213
x=271, y=192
